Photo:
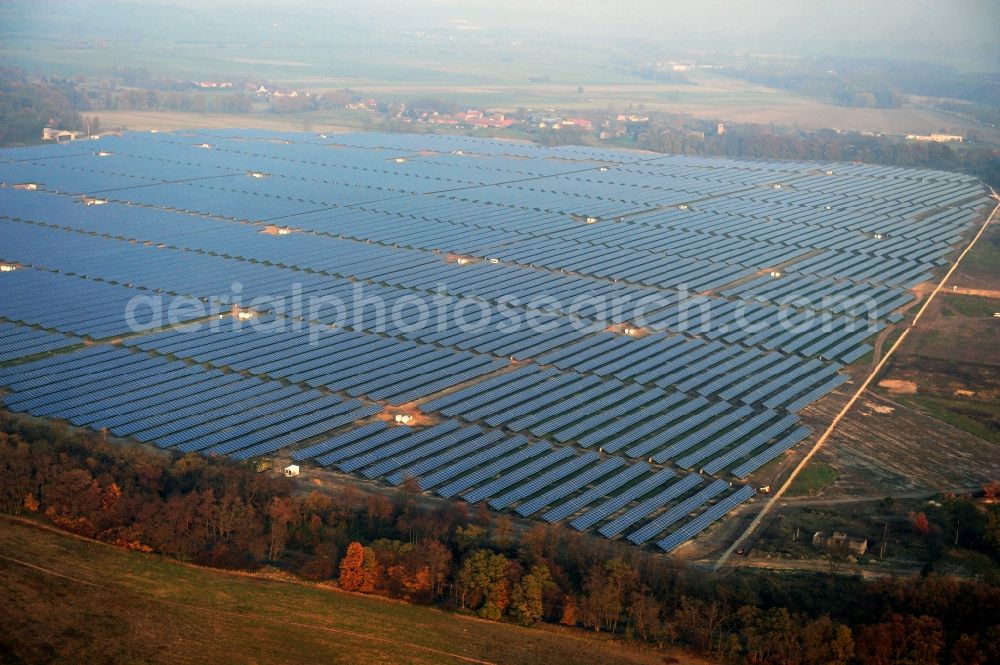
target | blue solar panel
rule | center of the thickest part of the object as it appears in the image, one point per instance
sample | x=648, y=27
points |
x=616, y=503
x=603, y=488
x=765, y=456
x=568, y=487
x=679, y=511
x=644, y=508
x=702, y=521
x=536, y=485
x=517, y=475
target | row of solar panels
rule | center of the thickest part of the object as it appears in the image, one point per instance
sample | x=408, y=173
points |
x=636, y=268
x=306, y=148
x=355, y=363
x=72, y=305
x=207, y=276
x=479, y=465
x=356, y=359
x=175, y=404
x=400, y=372
x=619, y=417
x=808, y=228
x=626, y=358
x=19, y=341
x=481, y=148
x=823, y=293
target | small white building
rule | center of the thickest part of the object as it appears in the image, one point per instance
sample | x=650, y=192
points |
x=291, y=470
x=59, y=135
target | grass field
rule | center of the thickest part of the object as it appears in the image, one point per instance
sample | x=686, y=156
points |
x=981, y=267
x=975, y=417
x=813, y=479
x=71, y=600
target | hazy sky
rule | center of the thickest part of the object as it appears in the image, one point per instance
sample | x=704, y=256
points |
x=726, y=23
x=954, y=29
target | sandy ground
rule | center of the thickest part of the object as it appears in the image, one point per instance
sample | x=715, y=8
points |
x=898, y=386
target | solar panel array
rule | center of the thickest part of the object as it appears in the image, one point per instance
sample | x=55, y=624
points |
x=584, y=335
x=20, y=341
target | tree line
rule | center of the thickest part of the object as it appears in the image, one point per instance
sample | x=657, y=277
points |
x=767, y=142
x=870, y=82
x=220, y=513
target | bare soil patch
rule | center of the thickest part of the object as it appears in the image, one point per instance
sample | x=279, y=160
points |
x=898, y=386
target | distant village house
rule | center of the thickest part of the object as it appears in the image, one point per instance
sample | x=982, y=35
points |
x=840, y=541
x=936, y=138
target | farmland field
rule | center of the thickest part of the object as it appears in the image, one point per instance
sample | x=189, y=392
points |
x=67, y=599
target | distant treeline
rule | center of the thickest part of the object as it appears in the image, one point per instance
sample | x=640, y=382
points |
x=219, y=513
x=872, y=83
x=983, y=113
x=765, y=142
x=659, y=74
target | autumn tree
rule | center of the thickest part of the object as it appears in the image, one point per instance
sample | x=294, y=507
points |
x=470, y=537
x=826, y=642
x=282, y=513
x=911, y=640
x=701, y=622
x=503, y=533
x=921, y=524
x=527, y=597
x=569, y=611
x=607, y=588
x=644, y=616
x=770, y=636
x=358, y=569
x=16, y=474
x=483, y=583
x=417, y=572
